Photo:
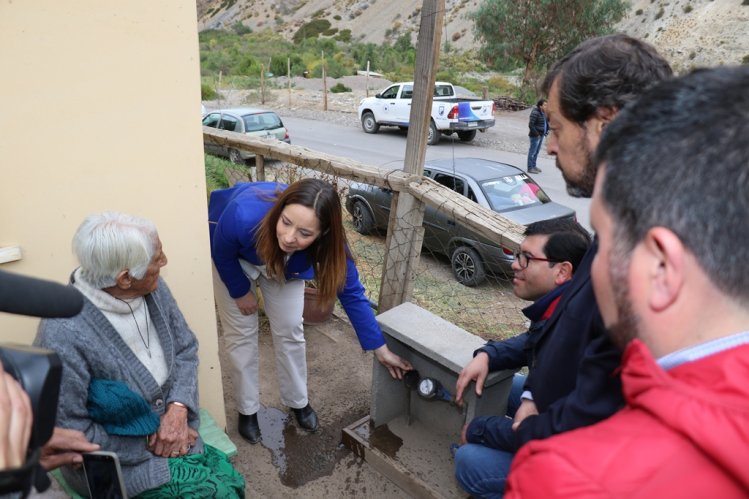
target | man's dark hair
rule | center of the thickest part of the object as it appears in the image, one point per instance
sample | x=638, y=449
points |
x=604, y=72
x=568, y=240
x=679, y=158
x=540, y=102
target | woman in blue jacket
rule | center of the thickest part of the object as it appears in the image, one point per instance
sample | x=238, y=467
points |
x=269, y=235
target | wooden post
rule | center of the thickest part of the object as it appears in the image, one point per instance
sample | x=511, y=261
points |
x=260, y=168
x=218, y=89
x=288, y=76
x=262, y=84
x=367, y=79
x=405, y=229
x=324, y=84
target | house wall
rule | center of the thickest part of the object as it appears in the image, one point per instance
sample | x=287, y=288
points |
x=100, y=111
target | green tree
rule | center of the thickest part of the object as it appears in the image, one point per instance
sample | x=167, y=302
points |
x=535, y=33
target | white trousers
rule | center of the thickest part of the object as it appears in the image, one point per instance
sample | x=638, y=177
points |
x=284, y=305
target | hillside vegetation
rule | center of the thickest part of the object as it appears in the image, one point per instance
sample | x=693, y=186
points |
x=688, y=32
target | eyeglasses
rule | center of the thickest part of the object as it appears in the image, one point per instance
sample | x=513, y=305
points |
x=524, y=259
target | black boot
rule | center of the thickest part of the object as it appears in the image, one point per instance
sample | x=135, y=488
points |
x=249, y=428
x=306, y=418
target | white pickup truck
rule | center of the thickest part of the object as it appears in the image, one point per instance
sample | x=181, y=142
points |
x=450, y=114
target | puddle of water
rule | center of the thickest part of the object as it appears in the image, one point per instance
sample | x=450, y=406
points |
x=384, y=440
x=301, y=456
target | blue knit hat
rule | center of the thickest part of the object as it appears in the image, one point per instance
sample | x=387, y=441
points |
x=120, y=410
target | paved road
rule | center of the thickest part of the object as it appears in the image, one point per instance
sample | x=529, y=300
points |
x=388, y=148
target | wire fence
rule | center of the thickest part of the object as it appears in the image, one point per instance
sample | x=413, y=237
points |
x=489, y=309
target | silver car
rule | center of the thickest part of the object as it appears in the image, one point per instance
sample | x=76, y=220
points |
x=497, y=186
x=247, y=120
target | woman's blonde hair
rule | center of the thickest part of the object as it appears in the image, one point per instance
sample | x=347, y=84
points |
x=327, y=254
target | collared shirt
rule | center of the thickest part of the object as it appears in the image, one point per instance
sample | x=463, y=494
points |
x=701, y=350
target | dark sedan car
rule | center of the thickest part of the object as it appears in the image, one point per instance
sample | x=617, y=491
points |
x=497, y=186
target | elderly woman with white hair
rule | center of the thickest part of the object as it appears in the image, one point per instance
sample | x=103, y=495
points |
x=130, y=362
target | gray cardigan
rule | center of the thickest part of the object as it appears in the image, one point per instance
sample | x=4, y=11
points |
x=91, y=348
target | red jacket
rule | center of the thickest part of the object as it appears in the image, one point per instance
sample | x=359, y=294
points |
x=684, y=433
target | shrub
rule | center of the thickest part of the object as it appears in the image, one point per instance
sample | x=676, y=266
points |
x=687, y=9
x=339, y=88
x=745, y=60
x=207, y=92
x=660, y=13
x=215, y=172
x=241, y=29
x=638, y=12
x=311, y=29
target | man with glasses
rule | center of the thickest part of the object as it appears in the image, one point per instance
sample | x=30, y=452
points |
x=543, y=268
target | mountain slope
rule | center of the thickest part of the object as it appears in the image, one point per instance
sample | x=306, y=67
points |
x=688, y=32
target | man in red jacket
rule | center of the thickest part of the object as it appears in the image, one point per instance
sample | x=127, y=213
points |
x=671, y=282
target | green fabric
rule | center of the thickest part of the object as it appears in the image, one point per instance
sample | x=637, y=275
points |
x=199, y=476
x=215, y=436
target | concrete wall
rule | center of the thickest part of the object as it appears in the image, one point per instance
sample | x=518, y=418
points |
x=100, y=111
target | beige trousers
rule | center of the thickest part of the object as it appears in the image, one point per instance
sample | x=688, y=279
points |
x=284, y=305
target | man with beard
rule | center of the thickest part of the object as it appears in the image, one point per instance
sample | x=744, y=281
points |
x=574, y=382
x=671, y=283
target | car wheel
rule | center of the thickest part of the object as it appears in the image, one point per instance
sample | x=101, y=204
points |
x=467, y=135
x=433, y=136
x=235, y=157
x=363, y=220
x=368, y=123
x=467, y=266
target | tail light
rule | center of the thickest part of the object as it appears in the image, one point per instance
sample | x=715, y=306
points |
x=453, y=113
x=286, y=135
x=494, y=107
x=507, y=251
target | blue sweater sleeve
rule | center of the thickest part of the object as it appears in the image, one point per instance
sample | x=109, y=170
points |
x=506, y=354
x=225, y=250
x=359, y=312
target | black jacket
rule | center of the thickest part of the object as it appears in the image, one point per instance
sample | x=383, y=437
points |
x=573, y=373
x=536, y=123
x=574, y=379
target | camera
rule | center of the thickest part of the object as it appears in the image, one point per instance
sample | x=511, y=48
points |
x=37, y=370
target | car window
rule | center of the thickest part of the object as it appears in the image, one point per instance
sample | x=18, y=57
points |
x=443, y=90
x=408, y=92
x=228, y=123
x=211, y=120
x=472, y=196
x=454, y=183
x=261, y=121
x=513, y=191
x=391, y=92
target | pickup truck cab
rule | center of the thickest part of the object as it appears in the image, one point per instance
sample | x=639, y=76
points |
x=450, y=113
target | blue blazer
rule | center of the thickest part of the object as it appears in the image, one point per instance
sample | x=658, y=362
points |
x=234, y=215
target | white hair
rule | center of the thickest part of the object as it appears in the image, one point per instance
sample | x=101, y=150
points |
x=109, y=242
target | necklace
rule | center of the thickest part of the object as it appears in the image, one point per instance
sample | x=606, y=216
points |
x=147, y=340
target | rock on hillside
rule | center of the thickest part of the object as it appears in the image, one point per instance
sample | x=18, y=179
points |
x=692, y=33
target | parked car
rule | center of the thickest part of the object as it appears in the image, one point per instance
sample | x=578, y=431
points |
x=498, y=186
x=250, y=121
x=450, y=113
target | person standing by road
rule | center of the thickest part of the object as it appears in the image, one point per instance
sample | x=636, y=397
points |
x=273, y=236
x=538, y=128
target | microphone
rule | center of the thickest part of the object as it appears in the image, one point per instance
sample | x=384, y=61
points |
x=37, y=297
